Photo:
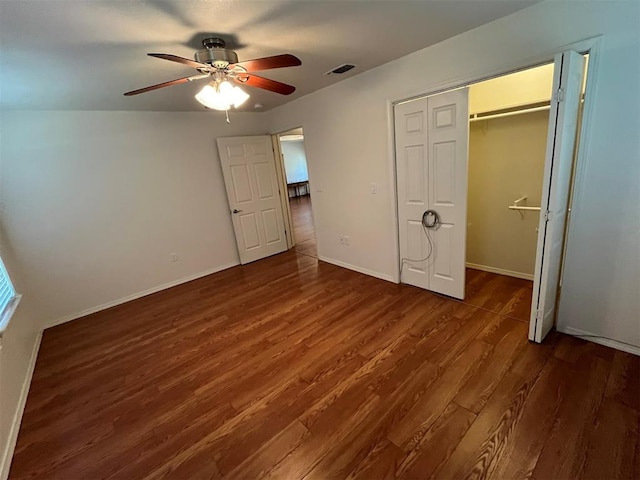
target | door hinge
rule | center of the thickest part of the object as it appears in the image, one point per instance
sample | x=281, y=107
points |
x=558, y=96
x=547, y=215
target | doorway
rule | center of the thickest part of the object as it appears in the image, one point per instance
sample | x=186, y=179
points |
x=296, y=176
x=521, y=130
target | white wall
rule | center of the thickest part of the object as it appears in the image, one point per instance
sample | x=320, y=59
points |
x=347, y=151
x=295, y=161
x=94, y=202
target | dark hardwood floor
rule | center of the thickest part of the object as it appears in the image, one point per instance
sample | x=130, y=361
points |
x=303, y=229
x=486, y=290
x=290, y=368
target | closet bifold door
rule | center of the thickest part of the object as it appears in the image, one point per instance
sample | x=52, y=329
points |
x=561, y=142
x=431, y=173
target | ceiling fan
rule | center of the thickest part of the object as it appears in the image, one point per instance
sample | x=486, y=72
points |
x=221, y=66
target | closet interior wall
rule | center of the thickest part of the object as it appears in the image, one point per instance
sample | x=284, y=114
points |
x=506, y=162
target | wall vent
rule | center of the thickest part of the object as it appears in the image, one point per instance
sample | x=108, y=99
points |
x=341, y=69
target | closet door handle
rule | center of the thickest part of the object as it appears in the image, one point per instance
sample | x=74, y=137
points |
x=235, y=210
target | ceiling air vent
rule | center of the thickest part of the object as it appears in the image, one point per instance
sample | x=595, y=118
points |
x=341, y=69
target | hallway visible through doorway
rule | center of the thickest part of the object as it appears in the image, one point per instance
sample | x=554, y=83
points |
x=303, y=230
x=296, y=176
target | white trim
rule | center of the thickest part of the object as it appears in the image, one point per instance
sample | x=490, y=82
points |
x=501, y=271
x=128, y=298
x=393, y=186
x=7, y=455
x=283, y=190
x=582, y=161
x=371, y=273
x=607, y=342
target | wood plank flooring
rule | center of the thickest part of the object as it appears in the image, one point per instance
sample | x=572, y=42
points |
x=290, y=368
x=487, y=291
x=303, y=228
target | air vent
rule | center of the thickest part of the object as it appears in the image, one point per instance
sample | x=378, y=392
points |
x=341, y=69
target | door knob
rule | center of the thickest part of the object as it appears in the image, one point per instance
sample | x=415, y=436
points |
x=235, y=210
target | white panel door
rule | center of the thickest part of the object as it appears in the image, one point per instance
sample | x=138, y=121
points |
x=448, y=140
x=431, y=170
x=248, y=166
x=563, y=124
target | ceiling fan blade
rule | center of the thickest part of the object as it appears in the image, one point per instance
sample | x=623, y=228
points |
x=165, y=84
x=266, y=83
x=175, y=58
x=267, y=63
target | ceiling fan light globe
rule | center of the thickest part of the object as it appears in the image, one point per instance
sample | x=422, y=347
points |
x=231, y=94
x=225, y=89
x=210, y=97
x=239, y=96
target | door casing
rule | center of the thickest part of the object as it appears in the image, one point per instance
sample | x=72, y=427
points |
x=282, y=187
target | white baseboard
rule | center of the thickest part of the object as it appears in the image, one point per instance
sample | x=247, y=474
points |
x=7, y=455
x=137, y=295
x=607, y=342
x=501, y=271
x=371, y=273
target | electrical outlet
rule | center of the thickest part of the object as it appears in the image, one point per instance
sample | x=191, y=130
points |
x=373, y=188
x=173, y=257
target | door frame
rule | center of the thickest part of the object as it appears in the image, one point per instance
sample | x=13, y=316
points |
x=590, y=45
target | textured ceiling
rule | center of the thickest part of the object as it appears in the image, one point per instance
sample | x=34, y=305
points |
x=83, y=55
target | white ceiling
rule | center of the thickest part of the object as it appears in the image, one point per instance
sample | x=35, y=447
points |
x=83, y=55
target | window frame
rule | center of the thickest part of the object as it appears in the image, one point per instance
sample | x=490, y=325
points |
x=9, y=309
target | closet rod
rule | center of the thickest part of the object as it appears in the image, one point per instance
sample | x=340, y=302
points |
x=508, y=114
x=517, y=207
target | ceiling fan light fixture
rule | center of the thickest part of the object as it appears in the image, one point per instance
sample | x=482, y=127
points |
x=221, y=96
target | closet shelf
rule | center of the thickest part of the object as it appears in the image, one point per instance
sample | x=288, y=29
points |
x=474, y=117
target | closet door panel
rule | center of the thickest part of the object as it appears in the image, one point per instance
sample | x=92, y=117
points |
x=561, y=141
x=448, y=139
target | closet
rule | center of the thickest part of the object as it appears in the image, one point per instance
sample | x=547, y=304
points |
x=508, y=126
x=484, y=175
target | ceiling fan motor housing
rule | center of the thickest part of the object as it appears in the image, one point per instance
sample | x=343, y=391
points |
x=215, y=53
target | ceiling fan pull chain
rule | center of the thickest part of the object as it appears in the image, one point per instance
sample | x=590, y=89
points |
x=227, y=112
